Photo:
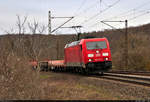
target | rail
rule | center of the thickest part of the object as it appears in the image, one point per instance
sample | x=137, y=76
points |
x=126, y=78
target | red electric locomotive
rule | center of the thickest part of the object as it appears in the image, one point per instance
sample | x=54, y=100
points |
x=83, y=56
x=88, y=55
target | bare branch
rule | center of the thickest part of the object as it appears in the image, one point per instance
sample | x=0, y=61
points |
x=33, y=26
x=21, y=25
x=11, y=31
x=42, y=29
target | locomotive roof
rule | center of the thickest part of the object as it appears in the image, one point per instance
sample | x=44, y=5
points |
x=72, y=44
x=92, y=39
x=82, y=41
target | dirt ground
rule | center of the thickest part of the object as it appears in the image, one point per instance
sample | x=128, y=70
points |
x=64, y=86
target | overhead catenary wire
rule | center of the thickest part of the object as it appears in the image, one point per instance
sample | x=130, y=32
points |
x=140, y=13
x=108, y=7
x=91, y=18
x=84, y=11
x=80, y=7
x=104, y=3
x=101, y=11
x=83, y=3
x=128, y=11
x=96, y=15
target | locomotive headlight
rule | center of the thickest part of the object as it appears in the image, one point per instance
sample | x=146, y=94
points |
x=105, y=54
x=106, y=59
x=90, y=55
x=90, y=59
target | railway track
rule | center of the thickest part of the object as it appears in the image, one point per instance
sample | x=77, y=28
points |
x=145, y=73
x=132, y=79
x=126, y=78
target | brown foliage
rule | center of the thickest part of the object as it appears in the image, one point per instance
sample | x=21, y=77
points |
x=17, y=80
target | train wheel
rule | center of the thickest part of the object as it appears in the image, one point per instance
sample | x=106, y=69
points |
x=51, y=68
x=86, y=72
x=34, y=67
x=101, y=73
x=41, y=69
x=58, y=69
x=54, y=69
x=83, y=72
x=78, y=69
x=71, y=70
x=46, y=69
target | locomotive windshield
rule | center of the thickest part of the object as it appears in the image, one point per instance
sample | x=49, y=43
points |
x=96, y=45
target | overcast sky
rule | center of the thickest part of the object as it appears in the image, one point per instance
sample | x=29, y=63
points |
x=88, y=13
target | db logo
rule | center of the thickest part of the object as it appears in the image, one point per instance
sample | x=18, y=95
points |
x=97, y=55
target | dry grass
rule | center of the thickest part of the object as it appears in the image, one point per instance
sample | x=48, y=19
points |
x=68, y=87
x=74, y=87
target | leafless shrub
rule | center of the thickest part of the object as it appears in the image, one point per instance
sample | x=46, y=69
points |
x=17, y=80
x=138, y=51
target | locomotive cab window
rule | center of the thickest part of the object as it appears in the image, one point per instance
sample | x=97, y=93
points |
x=96, y=45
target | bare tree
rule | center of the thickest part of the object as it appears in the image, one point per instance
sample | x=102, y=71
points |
x=34, y=46
x=21, y=24
x=33, y=27
x=42, y=29
x=11, y=31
